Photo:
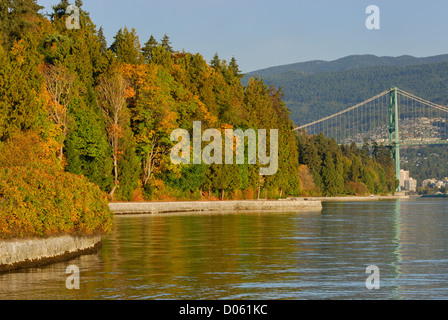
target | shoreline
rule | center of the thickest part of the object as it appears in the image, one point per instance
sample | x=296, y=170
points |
x=359, y=198
x=25, y=253
x=163, y=207
x=202, y=206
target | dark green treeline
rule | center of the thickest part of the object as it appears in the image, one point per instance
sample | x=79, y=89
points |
x=331, y=169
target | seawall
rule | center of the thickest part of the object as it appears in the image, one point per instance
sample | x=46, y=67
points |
x=358, y=198
x=211, y=206
x=20, y=253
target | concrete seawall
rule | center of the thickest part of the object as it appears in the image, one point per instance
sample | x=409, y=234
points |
x=358, y=198
x=19, y=253
x=211, y=206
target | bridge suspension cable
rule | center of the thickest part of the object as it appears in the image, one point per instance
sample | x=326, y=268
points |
x=401, y=92
x=343, y=111
x=421, y=100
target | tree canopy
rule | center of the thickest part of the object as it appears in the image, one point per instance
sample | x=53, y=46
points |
x=108, y=112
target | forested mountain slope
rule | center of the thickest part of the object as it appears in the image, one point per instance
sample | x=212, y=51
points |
x=310, y=96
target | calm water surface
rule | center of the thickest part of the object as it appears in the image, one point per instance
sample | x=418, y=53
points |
x=296, y=255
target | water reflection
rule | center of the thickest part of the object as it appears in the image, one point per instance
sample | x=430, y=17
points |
x=424, y=243
x=396, y=289
x=297, y=255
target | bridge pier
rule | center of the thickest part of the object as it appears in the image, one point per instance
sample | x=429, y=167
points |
x=394, y=136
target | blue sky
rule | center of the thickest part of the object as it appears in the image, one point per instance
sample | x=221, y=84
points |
x=261, y=34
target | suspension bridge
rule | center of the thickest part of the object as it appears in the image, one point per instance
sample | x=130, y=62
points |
x=392, y=118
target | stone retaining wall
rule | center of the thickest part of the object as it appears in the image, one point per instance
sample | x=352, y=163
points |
x=18, y=253
x=208, y=206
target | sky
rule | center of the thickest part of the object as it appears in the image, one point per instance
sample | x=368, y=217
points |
x=262, y=34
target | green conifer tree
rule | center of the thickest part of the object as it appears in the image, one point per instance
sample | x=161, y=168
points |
x=148, y=48
x=102, y=40
x=166, y=43
x=234, y=68
x=127, y=46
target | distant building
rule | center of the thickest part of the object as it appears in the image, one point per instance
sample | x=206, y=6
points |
x=428, y=183
x=410, y=185
x=404, y=175
x=439, y=184
x=434, y=183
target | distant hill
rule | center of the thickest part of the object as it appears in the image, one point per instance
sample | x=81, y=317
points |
x=347, y=63
x=315, y=89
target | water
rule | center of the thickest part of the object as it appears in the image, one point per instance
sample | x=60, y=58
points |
x=297, y=255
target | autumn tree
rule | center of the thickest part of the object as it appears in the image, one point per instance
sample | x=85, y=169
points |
x=112, y=92
x=152, y=115
x=61, y=89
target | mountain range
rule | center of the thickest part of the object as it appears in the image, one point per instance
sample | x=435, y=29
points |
x=347, y=63
x=317, y=88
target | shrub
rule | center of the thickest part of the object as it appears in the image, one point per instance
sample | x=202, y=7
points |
x=39, y=199
x=356, y=188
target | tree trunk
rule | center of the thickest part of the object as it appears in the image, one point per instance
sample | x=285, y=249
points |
x=222, y=194
x=147, y=171
x=111, y=194
x=115, y=176
x=149, y=163
x=64, y=132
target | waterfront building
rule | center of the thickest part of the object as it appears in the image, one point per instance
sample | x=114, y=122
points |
x=410, y=185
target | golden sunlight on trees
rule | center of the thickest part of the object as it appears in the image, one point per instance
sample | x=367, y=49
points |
x=60, y=88
x=112, y=89
x=108, y=113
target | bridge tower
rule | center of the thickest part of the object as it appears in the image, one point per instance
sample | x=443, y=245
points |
x=394, y=136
